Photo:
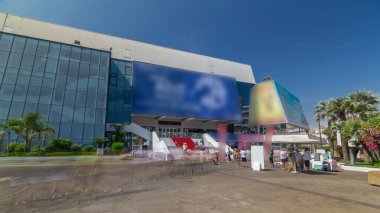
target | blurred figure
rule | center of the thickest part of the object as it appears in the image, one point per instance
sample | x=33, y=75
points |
x=284, y=159
x=243, y=155
x=271, y=158
x=298, y=156
x=229, y=153
x=307, y=159
x=237, y=157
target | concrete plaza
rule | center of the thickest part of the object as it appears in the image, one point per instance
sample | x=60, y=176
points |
x=133, y=186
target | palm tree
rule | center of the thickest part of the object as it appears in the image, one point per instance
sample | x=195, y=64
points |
x=362, y=104
x=43, y=129
x=338, y=126
x=323, y=111
x=7, y=130
x=26, y=128
x=119, y=133
x=100, y=141
x=2, y=133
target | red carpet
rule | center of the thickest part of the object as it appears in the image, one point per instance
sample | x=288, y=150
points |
x=180, y=141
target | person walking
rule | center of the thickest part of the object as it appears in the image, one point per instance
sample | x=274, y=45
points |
x=229, y=153
x=283, y=157
x=237, y=157
x=307, y=159
x=298, y=156
x=243, y=155
x=271, y=158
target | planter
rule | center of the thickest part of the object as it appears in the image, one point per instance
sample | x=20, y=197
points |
x=100, y=151
x=374, y=178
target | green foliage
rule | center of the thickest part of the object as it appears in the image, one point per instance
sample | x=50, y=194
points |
x=117, y=147
x=100, y=141
x=59, y=144
x=88, y=148
x=119, y=133
x=351, y=130
x=12, y=147
x=76, y=147
x=19, y=148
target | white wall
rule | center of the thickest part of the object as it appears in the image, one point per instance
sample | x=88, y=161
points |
x=138, y=51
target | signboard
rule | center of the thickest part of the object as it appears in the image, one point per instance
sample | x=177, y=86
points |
x=166, y=91
x=257, y=157
x=273, y=104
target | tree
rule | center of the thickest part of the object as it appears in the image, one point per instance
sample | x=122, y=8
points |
x=362, y=104
x=7, y=130
x=370, y=137
x=338, y=126
x=119, y=133
x=43, y=128
x=26, y=127
x=100, y=141
x=322, y=111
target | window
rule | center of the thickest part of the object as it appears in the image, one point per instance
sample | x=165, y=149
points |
x=86, y=55
x=15, y=112
x=67, y=114
x=6, y=42
x=80, y=99
x=44, y=110
x=33, y=94
x=18, y=44
x=92, y=85
x=27, y=62
x=43, y=48
x=20, y=93
x=100, y=115
x=95, y=57
x=76, y=132
x=104, y=59
x=65, y=52
x=75, y=54
x=90, y=115
x=35, y=81
x=79, y=115
x=3, y=58
x=58, y=97
x=14, y=60
x=23, y=80
x=102, y=86
x=71, y=83
x=48, y=80
x=39, y=64
x=51, y=65
x=30, y=107
x=91, y=100
x=101, y=101
x=103, y=73
x=55, y=113
x=46, y=95
x=73, y=69
x=62, y=67
x=69, y=98
x=84, y=70
x=4, y=109
x=94, y=71
x=88, y=131
x=30, y=46
x=54, y=50
x=82, y=84
x=10, y=78
x=65, y=130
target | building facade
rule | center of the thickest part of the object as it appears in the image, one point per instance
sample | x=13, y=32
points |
x=84, y=81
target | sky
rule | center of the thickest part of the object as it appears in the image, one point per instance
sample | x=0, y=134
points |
x=316, y=49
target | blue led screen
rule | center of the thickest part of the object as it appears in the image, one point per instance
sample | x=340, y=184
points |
x=166, y=91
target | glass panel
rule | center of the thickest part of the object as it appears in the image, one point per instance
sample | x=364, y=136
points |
x=23, y=80
x=55, y=113
x=43, y=48
x=71, y=83
x=76, y=132
x=65, y=52
x=4, y=109
x=39, y=64
x=10, y=78
x=73, y=69
x=58, y=97
x=14, y=60
x=103, y=73
x=100, y=116
x=60, y=81
x=51, y=65
x=67, y=114
x=48, y=80
x=75, y=54
x=94, y=71
x=80, y=99
x=18, y=44
x=33, y=94
x=92, y=85
x=101, y=101
x=82, y=84
x=104, y=59
x=54, y=50
x=86, y=55
x=44, y=110
x=27, y=62
x=79, y=115
x=91, y=100
x=65, y=130
x=84, y=70
x=99, y=130
x=15, y=111
x=29, y=107
x=6, y=42
x=6, y=92
x=95, y=57
x=90, y=115
x=102, y=86
x=35, y=81
x=88, y=131
x=69, y=98
x=46, y=95
x=3, y=58
x=62, y=67
x=20, y=93
x=30, y=46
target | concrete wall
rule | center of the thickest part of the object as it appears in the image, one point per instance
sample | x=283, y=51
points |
x=126, y=49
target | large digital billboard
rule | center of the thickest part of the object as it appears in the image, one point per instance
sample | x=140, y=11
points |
x=273, y=104
x=166, y=91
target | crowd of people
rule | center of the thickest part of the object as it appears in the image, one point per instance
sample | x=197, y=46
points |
x=239, y=156
x=294, y=160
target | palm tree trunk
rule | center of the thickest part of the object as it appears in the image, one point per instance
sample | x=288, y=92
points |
x=370, y=155
x=345, y=150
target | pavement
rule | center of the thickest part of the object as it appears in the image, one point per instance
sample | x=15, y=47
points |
x=107, y=186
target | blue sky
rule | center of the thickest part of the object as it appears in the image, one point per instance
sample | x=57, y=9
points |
x=316, y=49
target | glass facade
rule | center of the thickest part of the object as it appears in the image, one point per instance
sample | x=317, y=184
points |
x=66, y=83
x=120, y=92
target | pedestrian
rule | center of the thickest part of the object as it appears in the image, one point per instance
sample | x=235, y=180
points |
x=271, y=158
x=283, y=157
x=243, y=155
x=237, y=156
x=229, y=153
x=307, y=159
x=298, y=156
x=292, y=160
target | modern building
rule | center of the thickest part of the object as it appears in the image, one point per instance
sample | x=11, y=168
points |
x=84, y=81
